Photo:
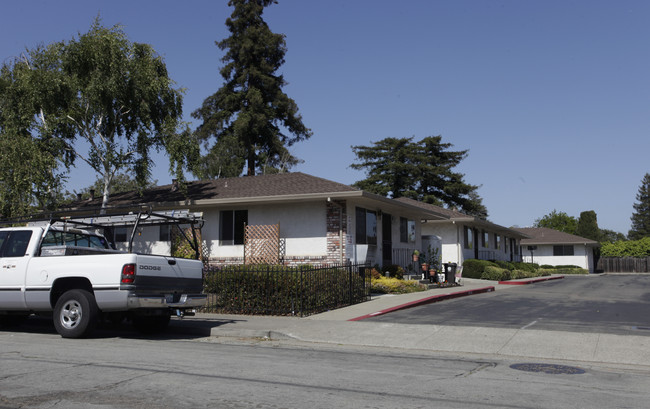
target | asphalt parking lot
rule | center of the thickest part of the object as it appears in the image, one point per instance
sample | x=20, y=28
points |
x=611, y=304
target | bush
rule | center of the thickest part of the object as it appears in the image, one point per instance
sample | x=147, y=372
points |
x=474, y=268
x=504, y=264
x=631, y=248
x=395, y=271
x=528, y=267
x=570, y=270
x=495, y=273
x=389, y=285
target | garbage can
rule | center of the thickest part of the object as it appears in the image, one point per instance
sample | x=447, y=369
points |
x=450, y=272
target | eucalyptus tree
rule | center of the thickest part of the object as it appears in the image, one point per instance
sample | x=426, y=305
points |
x=249, y=122
x=106, y=101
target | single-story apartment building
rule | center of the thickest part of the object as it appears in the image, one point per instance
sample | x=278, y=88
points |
x=556, y=248
x=460, y=236
x=312, y=220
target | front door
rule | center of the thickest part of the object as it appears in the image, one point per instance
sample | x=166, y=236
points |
x=13, y=264
x=386, y=240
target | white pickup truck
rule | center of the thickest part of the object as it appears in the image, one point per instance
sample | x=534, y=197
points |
x=68, y=268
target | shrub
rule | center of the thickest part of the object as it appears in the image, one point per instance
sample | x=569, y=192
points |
x=528, y=267
x=389, y=285
x=474, y=268
x=504, y=264
x=374, y=273
x=571, y=270
x=395, y=271
x=495, y=273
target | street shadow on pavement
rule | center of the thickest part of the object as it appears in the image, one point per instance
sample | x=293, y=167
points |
x=178, y=329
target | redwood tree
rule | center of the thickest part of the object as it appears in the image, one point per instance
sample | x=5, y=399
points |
x=249, y=122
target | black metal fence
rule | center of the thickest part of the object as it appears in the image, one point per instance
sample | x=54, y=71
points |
x=623, y=265
x=280, y=290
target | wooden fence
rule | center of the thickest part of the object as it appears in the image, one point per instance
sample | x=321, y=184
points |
x=623, y=265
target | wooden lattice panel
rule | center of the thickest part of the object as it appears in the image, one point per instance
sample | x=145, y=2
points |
x=262, y=244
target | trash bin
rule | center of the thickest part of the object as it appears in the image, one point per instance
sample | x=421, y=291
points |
x=450, y=272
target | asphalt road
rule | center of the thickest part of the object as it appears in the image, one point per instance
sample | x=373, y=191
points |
x=613, y=304
x=119, y=369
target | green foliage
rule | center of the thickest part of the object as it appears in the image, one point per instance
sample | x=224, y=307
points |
x=587, y=226
x=474, y=268
x=641, y=216
x=99, y=88
x=611, y=236
x=632, y=248
x=559, y=221
x=249, y=120
x=279, y=290
x=399, y=167
x=395, y=271
x=390, y=285
x=504, y=264
x=527, y=267
x=495, y=273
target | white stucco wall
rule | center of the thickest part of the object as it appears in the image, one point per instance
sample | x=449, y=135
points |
x=582, y=256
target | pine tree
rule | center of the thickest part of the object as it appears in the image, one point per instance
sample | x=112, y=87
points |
x=641, y=217
x=249, y=121
x=399, y=167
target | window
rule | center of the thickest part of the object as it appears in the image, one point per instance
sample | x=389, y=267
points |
x=165, y=233
x=59, y=238
x=469, y=238
x=505, y=243
x=563, y=250
x=406, y=230
x=366, y=226
x=14, y=243
x=231, y=227
x=486, y=240
x=120, y=234
x=497, y=242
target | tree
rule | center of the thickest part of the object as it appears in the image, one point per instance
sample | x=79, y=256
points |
x=249, y=116
x=33, y=162
x=399, y=167
x=559, y=221
x=114, y=95
x=122, y=182
x=611, y=236
x=587, y=226
x=641, y=216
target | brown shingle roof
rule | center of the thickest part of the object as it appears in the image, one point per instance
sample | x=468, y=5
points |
x=247, y=187
x=450, y=213
x=544, y=235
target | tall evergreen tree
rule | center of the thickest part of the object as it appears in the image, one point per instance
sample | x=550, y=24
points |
x=249, y=116
x=587, y=226
x=641, y=216
x=399, y=167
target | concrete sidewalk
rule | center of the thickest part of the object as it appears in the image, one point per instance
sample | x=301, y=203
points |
x=346, y=326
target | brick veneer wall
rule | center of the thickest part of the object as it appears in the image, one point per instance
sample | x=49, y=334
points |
x=337, y=226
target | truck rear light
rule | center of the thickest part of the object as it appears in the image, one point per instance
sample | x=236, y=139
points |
x=128, y=274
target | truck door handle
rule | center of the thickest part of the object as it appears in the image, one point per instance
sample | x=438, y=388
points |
x=171, y=262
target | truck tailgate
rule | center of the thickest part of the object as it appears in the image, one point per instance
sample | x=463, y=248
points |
x=158, y=274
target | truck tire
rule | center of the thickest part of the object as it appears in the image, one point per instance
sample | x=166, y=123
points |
x=76, y=314
x=151, y=324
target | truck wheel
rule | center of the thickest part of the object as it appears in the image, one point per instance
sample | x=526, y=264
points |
x=75, y=314
x=151, y=324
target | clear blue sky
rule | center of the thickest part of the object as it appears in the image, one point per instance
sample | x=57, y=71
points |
x=552, y=98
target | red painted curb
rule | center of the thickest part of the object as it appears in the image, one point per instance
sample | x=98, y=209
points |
x=429, y=300
x=533, y=281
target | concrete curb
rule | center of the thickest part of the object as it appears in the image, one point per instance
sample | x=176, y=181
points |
x=428, y=300
x=531, y=281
